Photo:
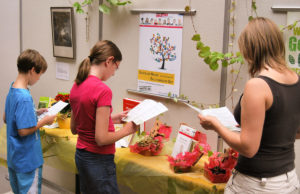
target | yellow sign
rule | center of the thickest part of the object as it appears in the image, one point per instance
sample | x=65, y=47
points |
x=152, y=76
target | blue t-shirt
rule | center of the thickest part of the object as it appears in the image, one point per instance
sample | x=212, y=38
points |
x=24, y=154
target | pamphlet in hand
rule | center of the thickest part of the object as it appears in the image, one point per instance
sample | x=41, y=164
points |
x=53, y=110
x=223, y=114
x=144, y=111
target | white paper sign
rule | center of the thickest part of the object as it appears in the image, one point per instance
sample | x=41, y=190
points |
x=62, y=71
x=183, y=140
x=292, y=42
x=160, y=47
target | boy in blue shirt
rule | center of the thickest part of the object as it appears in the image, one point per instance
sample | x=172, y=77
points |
x=24, y=153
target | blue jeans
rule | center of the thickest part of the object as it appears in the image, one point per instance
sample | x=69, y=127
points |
x=97, y=173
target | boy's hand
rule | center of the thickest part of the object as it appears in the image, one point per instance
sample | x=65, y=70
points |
x=49, y=119
x=41, y=111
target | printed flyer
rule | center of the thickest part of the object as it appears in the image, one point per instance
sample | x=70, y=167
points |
x=160, y=47
x=292, y=42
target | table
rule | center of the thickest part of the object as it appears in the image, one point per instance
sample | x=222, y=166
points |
x=142, y=174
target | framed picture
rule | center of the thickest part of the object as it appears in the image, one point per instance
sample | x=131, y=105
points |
x=63, y=35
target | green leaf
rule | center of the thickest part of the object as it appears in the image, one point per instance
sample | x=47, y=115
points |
x=104, y=9
x=233, y=60
x=199, y=45
x=196, y=37
x=143, y=133
x=204, y=53
x=253, y=6
x=113, y=2
x=214, y=66
x=124, y=3
x=209, y=153
x=224, y=63
x=76, y=5
x=207, y=60
x=228, y=55
x=250, y=18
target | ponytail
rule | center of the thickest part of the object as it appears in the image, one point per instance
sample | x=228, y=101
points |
x=98, y=54
x=83, y=71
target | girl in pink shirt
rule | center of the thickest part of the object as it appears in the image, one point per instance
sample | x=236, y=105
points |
x=90, y=99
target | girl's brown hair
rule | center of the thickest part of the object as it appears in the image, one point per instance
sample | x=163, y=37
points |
x=31, y=58
x=261, y=43
x=98, y=54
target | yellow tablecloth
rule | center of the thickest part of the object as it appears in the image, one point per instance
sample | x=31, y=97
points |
x=143, y=174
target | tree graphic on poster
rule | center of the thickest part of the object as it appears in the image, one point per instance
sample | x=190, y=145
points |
x=161, y=49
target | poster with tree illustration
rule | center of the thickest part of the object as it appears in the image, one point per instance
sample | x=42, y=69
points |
x=292, y=42
x=160, y=47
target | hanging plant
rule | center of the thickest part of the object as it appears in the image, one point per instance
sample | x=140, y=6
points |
x=105, y=7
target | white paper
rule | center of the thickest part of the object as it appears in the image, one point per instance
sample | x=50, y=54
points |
x=145, y=111
x=223, y=114
x=62, y=71
x=53, y=110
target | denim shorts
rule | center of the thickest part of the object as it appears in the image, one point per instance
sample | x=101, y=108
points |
x=97, y=172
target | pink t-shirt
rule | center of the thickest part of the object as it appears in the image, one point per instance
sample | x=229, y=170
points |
x=85, y=99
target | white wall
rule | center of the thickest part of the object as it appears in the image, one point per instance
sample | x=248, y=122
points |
x=198, y=82
x=9, y=48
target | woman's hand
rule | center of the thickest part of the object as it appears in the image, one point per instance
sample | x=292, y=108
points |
x=209, y=122
x=41, y=111
x=117, y=118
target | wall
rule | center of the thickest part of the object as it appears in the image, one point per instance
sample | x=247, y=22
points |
x=9, y=49
x=123, y=29
x=198, y=82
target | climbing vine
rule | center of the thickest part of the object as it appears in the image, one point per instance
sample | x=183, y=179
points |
x=105, y=7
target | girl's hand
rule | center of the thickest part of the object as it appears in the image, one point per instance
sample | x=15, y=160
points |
x=117, y=118
x=41, y=111
x=131, y=127
x=209, y=122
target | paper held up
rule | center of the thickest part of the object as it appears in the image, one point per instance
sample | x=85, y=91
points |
x=223, y=114
x=144, y=111
x=53, y=110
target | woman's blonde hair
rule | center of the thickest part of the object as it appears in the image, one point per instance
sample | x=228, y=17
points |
x=98, y=54
x=261, y=43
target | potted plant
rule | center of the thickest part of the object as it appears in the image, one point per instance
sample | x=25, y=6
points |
x=220, y=165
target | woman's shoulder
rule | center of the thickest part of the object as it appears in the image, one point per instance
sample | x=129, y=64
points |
x=256, y=86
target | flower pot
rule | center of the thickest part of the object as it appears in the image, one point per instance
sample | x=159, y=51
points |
x=181, y=169
x=217, y=178
x=64, y=123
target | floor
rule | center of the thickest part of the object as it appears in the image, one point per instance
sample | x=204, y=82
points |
x=5, y=187
x=47, y=187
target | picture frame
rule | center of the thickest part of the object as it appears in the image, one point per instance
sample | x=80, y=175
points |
x=63, y=34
